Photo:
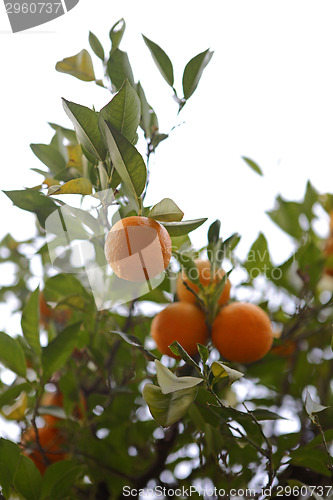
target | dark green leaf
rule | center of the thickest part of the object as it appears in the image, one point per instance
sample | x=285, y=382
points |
x=28, y=480
x=80, y=66
x=203, y=352
x=85, y=122
x=123, y=112
x=214, y=232
x=30, y=322
x=178, y=350
x=149, y=122
x=9, y=459
x=136, y=342
x=193, y=71
x=96, y=46
x=33, y=201
x=161, y=59
x=50, y=157
x=263, y=414
x=59, y=479
x=183, y=227
x=119, y=68
x=116, y=33
x=252, y=165
x=11, y=354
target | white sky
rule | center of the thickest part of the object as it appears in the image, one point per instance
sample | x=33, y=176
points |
x=266, y=94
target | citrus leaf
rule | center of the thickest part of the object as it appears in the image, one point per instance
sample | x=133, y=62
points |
x=116, y=33
x=30, y=321
x=136, y=342
x=96, y=46
x=221, y=370
x=189, y=267
x=119, y=68
x=123, y=112
x=59, y=479
x=85, y=122
x=193, y=71
x=168, y=381
x=9, y=459
x=28, y=480
x=179, y=350
x=80, y=65
x=167, y=211
x=11, y=354
x=161, y=60
x=50, y=156
x=167, y=409
x=311, y=406
x=253, y=165
x=149, y=121
x=183, y=227
x=33, y=201
x=81, y=185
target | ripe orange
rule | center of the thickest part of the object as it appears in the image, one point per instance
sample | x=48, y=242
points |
x=50, y=439
x=242, y=332
x=204, y=276
x=182, y=322
x=138, y=248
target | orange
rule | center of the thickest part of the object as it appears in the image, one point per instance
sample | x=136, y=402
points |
x=242, y=332
x=57, y=399
x=205, y=277
x=286, y=349
x=182, y=322
x=50, y=439
x=47, y=313
x=138, y=248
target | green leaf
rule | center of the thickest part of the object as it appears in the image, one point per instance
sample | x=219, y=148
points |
x=28, y=480
x=258, y=258
x=178, y=350
x=85, y=122
x=116, y=33
x=214, y=232
x=167, y=211
x=59, y=479
x=64, y=286
x=136, y=342
x=30, y=322
x=311, y=406
x=80, y=66
x=65, y=133
x=128, y=162
x=123, y=112
x=119, y=68
x=203, y=352
x=252, y=165
x=220, y=370
x=193, y=71
x=33, y=201
x=50, y=157
x=59, y=350
x=9, y=459
x=264, y=414
x=161, y=59
x=96, y=46
x=81, y=185
x=183, y=227
x=167, y=409
x=11, y=354
x=168, y=382
x=149, y=121
x=8, y=396
x=286, y=216
x=189, y=267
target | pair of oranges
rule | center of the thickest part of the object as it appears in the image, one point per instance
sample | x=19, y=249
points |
x=138, y=248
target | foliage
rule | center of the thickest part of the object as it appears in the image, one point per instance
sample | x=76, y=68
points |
x=201, y=430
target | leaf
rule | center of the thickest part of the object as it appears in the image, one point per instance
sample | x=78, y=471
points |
x=59, y=350
x=311, y=406
x=263, y=414
x=127, y=161
x=149, y=122
x=168, y=382
x=167, y=211
x=59, y=479
x=221, y=370
x=9, y=459
x=64, y=286
x=33, y=201
x=252, y=165
x=80, y=66
x=286, y=215
x=8, y=396
x=167, y=409
x=85, y=122
x=96, y=46
x=119, y=68
x=30, y=321
x=214, y=232
x=203, y=352
x=193, y=72
x=17, y=410
x=65, y=133
x=183, y=227
x=258, y=259
x=81, y=185
x=161, y=59
x=136, y=342
x=123, y=112
x=50, y=156
x=28, y=480
x=178, y=350
x=189, y=267
x=11, y=354
x=116, y=33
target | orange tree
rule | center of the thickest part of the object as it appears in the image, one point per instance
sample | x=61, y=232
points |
x=129, y=417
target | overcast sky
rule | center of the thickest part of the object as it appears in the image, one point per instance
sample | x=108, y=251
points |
x=266, y=94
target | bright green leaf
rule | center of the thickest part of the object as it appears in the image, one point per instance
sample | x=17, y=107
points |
x=161, y=60
x=167, y=211
x=11, y=354
x=193, y=71
x=252, y=165
x=80, y=66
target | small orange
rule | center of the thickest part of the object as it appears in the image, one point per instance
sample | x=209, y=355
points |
x=138, y=248
x=182, y=322
x=242, y=332
x=204, y=273
x=286, y=349
x=50, y=439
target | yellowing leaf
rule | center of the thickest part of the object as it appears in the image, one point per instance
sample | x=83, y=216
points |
x=17, y=410
x=75, y=186
x=74, y=156
x=220, y=371
x=51, y=182
x=80, y=66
